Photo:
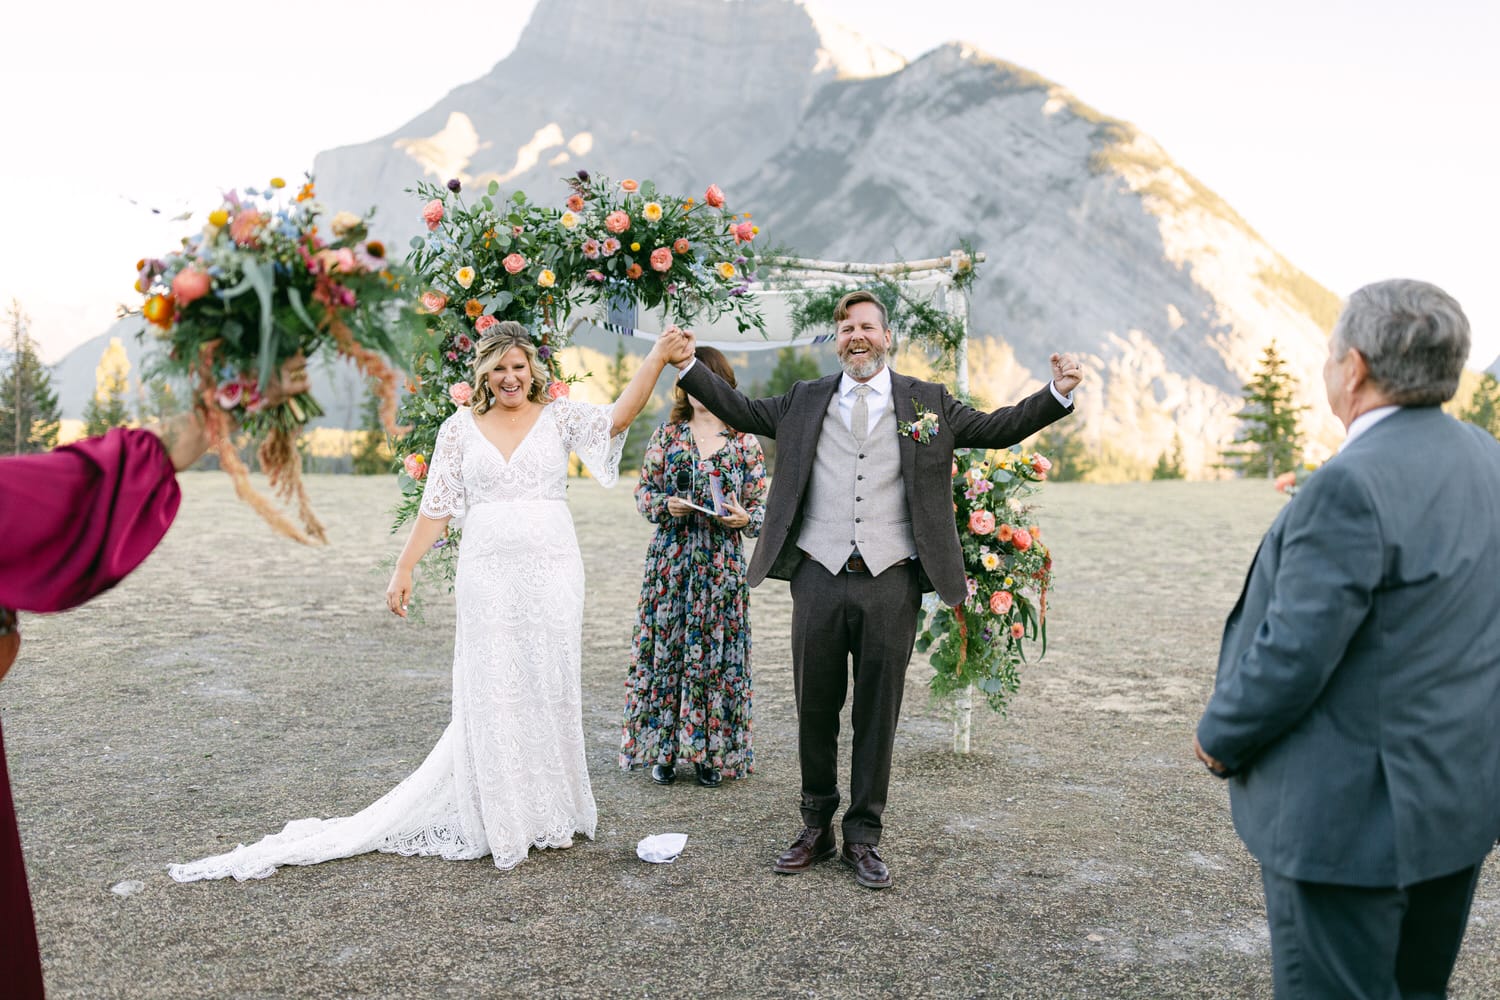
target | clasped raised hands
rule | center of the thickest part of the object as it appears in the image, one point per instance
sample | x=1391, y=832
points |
x=675, y=346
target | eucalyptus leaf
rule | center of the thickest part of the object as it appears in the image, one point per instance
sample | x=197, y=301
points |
x=494, y=188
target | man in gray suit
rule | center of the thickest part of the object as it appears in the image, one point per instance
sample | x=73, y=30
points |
x=1357, y=707
x=860, y=520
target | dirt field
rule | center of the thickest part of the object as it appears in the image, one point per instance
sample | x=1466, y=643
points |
x=237, y=681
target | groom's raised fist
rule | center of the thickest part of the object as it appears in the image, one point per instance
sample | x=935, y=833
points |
x=1066, y=372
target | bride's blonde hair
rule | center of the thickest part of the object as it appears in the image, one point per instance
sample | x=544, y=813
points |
x=492, y=347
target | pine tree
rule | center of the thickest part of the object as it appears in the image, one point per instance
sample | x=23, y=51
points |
x=29, y=414
x=793, y=365
x=1171, y=465
x=107, y=408
x=1065, y=449
x=1271, y=439
x=1483, y=409
x=372, y=455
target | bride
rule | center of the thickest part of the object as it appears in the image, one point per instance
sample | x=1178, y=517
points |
x=509, y=772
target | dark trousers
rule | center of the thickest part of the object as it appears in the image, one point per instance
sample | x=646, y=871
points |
x=1366, y=944
x=874, y=620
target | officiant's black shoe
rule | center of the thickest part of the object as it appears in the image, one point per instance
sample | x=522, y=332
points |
x=663, y=774
x=869, y=870
x=812, y=845
x=709, y=777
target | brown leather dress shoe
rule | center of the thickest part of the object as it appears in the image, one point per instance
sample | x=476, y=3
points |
x=812, y=845
x=869, y=870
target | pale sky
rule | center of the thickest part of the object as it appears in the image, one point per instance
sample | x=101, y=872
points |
x=1356, y=137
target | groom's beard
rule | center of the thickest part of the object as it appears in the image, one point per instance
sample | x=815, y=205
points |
x=862, y=366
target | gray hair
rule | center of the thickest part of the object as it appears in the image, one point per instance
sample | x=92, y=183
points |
x=1413, y=336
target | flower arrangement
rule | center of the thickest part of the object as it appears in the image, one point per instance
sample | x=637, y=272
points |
x=261, y=284
x=922, y=429
x=498, y=258
x=983, y=641
x=1290, y=482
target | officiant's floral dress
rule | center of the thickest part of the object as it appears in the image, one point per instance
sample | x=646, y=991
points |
x=687, y=699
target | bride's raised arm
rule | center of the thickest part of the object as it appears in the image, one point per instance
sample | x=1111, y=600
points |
x=670, y=347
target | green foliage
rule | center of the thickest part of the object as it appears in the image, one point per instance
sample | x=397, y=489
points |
x=29, y=414
x=1270, y=440
x=1170, y=465
x=107, y=407
x=1483, y=408
x=983, y=641
x=372, y=452
x=1070, y=457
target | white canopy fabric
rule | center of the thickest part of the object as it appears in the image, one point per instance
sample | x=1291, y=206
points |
x=775, y=306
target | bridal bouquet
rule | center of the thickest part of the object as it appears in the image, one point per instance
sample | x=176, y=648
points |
x=983, y=641
x=265, y=282
x=1290, y=482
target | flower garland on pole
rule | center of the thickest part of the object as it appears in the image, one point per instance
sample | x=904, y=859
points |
x=511, y=258
x=260, y=285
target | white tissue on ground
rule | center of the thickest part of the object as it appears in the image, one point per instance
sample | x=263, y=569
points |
x=661, y=848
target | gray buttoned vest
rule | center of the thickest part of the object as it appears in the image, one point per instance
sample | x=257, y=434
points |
x=855, y=497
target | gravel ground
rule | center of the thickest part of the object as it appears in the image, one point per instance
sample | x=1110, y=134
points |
x=238, y=681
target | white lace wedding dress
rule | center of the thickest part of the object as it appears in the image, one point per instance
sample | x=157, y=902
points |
x=509, y=772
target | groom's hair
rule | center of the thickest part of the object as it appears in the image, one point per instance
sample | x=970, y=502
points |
x=841, y=311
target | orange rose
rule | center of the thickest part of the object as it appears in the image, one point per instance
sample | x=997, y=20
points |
x=1005, y=533
x=634, y=271
x=1021, y=539
x=629, y=186
x=1001, y=601
x=1017, y=630
x=473, y=308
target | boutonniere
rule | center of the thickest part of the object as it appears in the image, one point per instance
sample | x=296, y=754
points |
x=921, y=430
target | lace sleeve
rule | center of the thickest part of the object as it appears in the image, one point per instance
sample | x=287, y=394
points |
x=443, y=496
x=585, y=432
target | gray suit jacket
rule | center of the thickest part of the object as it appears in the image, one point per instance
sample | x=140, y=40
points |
x=1358, y=694
x=795, y=420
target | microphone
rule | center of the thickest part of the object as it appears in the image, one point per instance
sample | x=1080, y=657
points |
x=684, y=482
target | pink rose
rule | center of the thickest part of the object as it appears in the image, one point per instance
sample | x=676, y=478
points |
x=743, y=232
x=981, y=522
x=514, y=263
x=229, y=395
x=617, y=221
x=1021, y=539
x=575, y=203
x=463, y=343
x=661, y=259
x=461, y=393
x=517, y=230
x=595, y=276
x=483, y=323
x=1283, y=481
x=451, y=355
x=1040, y=465
x=416, y=466
x=1017, y=630
x=190, y=284
x=246, y=227
x=556, y=389
x=680, y=245
x=591, y=249
x=714, y=196
x=1001, y=601
x=434, y=302
x=432, y=214
x=611, y=247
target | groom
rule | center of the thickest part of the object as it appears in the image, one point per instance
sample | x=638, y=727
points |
x=860, y=520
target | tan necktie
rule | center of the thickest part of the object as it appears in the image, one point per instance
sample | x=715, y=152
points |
x=859, y=420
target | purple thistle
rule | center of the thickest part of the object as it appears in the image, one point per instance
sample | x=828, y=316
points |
x=583, y=175
x=544, y=352
x=454, y=185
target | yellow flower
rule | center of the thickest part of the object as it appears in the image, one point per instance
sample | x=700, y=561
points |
x=278, y=183
x=546, y=279
x=1010, y=581
x=218, y=217
x=755, y=230
x=989, y=560
x=568, y=220
x=652, y=211
x=465, y=277
x=634, y=247
x=726, y=270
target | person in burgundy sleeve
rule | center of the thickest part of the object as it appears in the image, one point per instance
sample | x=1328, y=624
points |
x=76, y=521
